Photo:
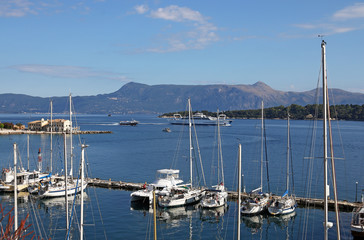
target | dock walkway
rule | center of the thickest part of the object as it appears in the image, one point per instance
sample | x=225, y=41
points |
x=302, y=202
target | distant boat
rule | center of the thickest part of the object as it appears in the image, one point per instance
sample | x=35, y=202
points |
x=129, y=123
x=167, y=130
x=201, y=119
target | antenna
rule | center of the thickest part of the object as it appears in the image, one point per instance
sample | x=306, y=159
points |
x=321, y=36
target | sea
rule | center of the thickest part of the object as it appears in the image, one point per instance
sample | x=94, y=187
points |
x=135, y=153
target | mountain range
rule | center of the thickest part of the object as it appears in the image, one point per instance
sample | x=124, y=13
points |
x=155, y=99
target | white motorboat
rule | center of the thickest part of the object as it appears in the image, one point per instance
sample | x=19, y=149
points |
x=180, y=196
x=357, y=223
x=166, y=179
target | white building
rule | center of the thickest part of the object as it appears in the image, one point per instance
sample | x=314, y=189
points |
x=58, y=125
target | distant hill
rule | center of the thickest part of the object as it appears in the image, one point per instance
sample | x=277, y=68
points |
x=141, y=98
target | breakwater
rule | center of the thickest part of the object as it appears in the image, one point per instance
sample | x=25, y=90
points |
x=302, y=202
x=17, y=132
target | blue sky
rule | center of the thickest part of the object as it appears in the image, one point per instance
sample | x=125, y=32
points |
x=51, y=48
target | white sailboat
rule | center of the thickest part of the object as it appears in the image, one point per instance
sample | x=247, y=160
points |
x=183, y=195
x=62, y=186
x=257, y=201
x=166, y=179
x=287, y=203
x=217, y=196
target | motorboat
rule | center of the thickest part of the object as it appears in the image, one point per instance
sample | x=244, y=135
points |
x=166, y=179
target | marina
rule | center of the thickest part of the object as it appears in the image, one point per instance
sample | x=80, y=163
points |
x=114, y=164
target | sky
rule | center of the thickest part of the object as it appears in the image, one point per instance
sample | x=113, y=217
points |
x=56, y=47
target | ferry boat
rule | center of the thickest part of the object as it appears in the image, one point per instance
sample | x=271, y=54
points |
x=129, y=123
x=200, y=119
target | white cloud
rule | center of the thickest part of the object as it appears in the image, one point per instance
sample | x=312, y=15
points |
x=73, y=72
x=201, y=32
x=141, y=9
x=177, y=14
x=350, y=12
x=16, y=8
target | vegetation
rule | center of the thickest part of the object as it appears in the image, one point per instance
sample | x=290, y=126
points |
x=340, y=112
x=7, y=230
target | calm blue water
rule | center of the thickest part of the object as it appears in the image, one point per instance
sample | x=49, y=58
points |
x=133, y=154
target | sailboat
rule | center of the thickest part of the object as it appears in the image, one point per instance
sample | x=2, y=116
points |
x=187, y=194
x=217, y=195
x=60, y=186
x=287, y=203
x=257, y=201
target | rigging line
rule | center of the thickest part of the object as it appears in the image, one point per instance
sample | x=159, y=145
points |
x=266, y=154
x=341, y=140
x=308, y=181
x=333, y=170
x=88, y=173
x=199, y=154
x=34, y=219
x=37, y=216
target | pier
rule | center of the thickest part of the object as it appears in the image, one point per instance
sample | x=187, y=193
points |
x=302, y=202
x=18, y=132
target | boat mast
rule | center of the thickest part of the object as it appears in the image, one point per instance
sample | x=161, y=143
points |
x=154, y=215
x=239, y=191
x=65, y=179
x=15, y=191
x=220, y=149
x=190, y=135
x=51, y=135
x=288, y=150
x=71, y=130
x=327, y=224
x=83, y=146
x=28, y=151
x=262, y=151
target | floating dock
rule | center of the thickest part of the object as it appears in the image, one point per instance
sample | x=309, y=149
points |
x=344, y=206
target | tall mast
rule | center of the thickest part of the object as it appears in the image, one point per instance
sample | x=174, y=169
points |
x=71, y=130
x=65, y=179
x=220, y=148
x=239, y=192
x=28, y=150
x=82, y=180
x=15, y=191
x=190, y=135
x=327, y=224
x=288, y=151
x=51, y=135
x=262, y=151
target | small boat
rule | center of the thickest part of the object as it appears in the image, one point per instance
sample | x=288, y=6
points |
x=357, y=223
x=129, y=123
x=57, y=188
x=217, y=196
x=257, y=203
x=287, y=203
x=166, y=130
x=187, y=194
